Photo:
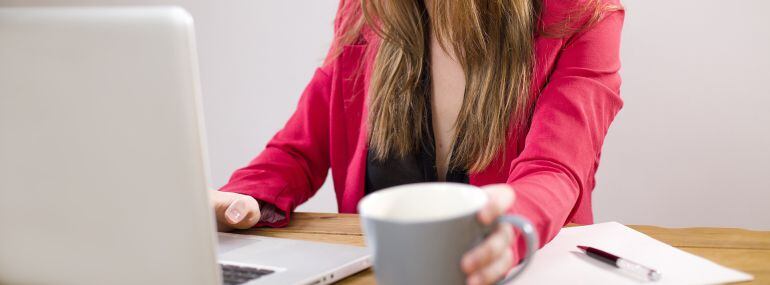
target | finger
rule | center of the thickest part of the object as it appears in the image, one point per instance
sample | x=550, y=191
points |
x=220, y=201
x=500, y=197
x=494, y=271
x=489, y=250
x=243, y=212
x=233, y=210
x=216, y=197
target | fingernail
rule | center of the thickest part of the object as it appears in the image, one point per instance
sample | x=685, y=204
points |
x=234, y=212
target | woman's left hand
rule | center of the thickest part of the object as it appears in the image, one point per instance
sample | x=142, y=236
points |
x=491, y=260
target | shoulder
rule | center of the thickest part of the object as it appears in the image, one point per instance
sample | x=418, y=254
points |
x=349, y=18
x=560, y=18
x=350, y=32
x=557, y=8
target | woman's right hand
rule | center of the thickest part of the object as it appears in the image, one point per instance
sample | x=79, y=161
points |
x=234, y=211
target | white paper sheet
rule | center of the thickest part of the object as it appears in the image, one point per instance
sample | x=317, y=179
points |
x=561, y=262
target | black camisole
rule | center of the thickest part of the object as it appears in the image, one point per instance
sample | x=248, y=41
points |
x=414, y=168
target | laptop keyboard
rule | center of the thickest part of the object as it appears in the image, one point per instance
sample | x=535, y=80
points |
x=234, y=274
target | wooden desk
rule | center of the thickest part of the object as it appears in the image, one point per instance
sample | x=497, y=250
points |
x=748, y=251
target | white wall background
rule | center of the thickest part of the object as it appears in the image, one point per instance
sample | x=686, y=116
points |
x=690, y=147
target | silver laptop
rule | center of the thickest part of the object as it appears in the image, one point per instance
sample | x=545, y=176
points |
x=103, y=175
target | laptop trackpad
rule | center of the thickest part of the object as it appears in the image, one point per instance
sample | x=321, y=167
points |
x=228, y=243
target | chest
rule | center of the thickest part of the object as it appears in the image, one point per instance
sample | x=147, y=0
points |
x=350, y=82
x=447, y=94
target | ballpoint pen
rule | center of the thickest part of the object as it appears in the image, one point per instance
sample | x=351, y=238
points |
x=622, y=263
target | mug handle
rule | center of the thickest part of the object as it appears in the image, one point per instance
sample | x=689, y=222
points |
x=530, y=235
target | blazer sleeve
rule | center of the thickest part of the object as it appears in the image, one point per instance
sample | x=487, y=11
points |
x=569, y=122
x=295, y=162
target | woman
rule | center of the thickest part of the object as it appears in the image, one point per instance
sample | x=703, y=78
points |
x=512, y=95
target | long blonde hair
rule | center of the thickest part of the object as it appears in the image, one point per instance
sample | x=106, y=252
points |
x=493, y=41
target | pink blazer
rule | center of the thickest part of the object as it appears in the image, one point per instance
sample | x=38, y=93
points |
x=576, y=84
